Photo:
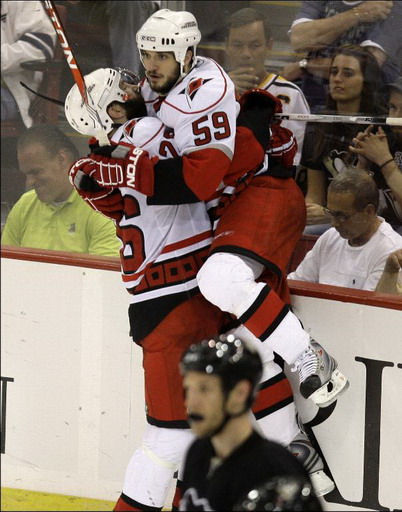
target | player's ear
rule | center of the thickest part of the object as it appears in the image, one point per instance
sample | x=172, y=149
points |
x=239, y=396
x=61, y=155
x=188, y=58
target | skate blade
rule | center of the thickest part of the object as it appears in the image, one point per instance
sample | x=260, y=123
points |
x=322, y=483
x=322, y=397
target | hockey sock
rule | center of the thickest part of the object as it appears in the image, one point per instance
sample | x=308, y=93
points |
x=270, y=320
x=177, y=495
x=151, y=468
x=257, y=306
x=124, y=503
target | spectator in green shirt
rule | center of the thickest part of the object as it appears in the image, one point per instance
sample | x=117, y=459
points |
x=51, y=215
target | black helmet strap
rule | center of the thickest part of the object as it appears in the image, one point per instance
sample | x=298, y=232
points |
x=228, y=416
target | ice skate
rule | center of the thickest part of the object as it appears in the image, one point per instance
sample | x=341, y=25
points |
x=320, y=379
x=321, y=482
x=302, y=448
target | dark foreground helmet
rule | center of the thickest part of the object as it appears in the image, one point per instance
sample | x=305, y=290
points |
x=285, y=493
x=227, y=357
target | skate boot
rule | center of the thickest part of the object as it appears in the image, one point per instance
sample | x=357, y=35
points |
x=301, y=448
x=320, y=379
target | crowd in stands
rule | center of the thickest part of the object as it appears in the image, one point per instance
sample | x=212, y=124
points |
x=320, y=27
x=346, y=60
x=354, y=88
x=27, y=35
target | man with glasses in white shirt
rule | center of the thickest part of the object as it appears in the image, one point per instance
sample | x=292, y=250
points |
x=352, y=253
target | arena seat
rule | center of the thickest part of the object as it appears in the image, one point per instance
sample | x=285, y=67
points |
x=304, y=245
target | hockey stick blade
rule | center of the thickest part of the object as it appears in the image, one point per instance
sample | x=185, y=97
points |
x=99, y=132
x=327, y=118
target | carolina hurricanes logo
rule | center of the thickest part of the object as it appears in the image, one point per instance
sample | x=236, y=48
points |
x=193, y=87
x=129, y=127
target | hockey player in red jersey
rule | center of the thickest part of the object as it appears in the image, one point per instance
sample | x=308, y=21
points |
x=195, y=97
x=265, y=221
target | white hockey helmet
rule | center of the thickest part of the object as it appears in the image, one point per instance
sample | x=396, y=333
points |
x=103, y=86
x=169, y=31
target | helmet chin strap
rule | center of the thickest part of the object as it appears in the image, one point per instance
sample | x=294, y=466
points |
x=226, y=419
x=180, y=77
x=183, y=74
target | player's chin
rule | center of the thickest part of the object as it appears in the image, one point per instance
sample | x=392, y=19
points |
x=155, y=82
x=160, y=87
x=200, y=428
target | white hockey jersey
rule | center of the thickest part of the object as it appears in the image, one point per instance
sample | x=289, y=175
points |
x=163, y=246
x=202, y=111
x=201, y=108
x=293, y=101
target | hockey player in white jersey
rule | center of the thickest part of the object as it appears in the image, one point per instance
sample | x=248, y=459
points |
x=196, y=97
x=162, y=248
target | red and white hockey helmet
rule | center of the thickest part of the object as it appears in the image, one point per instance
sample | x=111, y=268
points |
x=169, y=31
x=103, y=85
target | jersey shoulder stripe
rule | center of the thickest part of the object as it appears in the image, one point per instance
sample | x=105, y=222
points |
x=287, y=85
x=267, y=81
x=198, y=93
x=278, y=81
x=201, y=90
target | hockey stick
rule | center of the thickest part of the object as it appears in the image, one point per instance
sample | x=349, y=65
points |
x=52, y=100
x=100, y=132
x=327, y=118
